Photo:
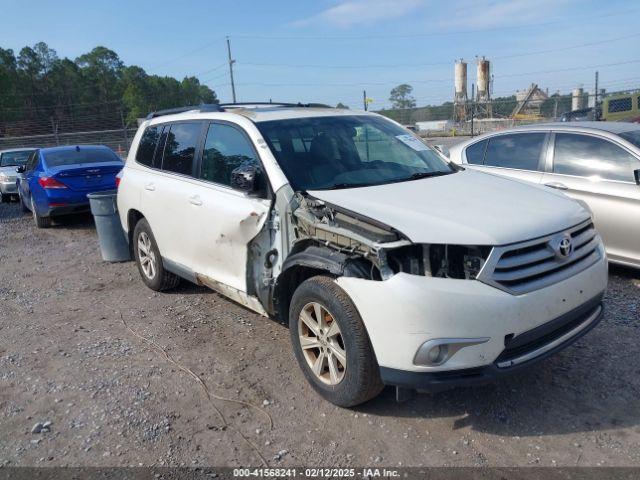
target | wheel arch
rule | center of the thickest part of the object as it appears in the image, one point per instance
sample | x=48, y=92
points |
x=133, y=217
x=310, y=262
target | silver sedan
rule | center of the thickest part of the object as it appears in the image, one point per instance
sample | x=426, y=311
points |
x=9, y=160
x=596, y=162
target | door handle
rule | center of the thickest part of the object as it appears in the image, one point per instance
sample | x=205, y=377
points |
x=557, y=185
x=150, y=186
x=195, y=200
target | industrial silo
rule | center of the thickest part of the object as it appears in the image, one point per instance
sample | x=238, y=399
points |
x=460, y=91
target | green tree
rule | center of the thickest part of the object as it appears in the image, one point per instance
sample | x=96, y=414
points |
x=342, y=105
x=401, y=97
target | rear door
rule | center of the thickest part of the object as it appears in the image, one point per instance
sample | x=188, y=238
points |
x=600, y=172
x=518, y=155
x=167, y=188
x=223, y=221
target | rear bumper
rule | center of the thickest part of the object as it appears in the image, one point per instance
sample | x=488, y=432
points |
x=522, y=352
x=70, y=209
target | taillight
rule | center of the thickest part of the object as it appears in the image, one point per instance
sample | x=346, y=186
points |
x=50, y=182
x=118, y=178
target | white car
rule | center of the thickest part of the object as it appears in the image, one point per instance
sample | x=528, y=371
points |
x=390, y=264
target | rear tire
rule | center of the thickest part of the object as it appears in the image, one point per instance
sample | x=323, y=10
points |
x=346, y=346
x=149, y=260
x=41, y=222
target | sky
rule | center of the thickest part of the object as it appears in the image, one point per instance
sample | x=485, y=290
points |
x=329, y=51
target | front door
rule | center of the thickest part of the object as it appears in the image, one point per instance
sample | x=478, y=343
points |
x=222, y=220
x=600, y=172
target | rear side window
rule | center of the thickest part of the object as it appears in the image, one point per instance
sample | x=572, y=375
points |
x=587, y=156
x=180, y=147
x=147, y=146
x=225, y=149
x=475, y=152
x=521, y=151
x=33, y=160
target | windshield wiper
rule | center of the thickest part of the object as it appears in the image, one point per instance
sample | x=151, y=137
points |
x=419, y=175
x=340, y=186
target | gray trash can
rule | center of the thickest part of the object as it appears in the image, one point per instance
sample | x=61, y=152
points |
x=113, y=243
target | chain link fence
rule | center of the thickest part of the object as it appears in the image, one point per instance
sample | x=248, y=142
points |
x=119, y=140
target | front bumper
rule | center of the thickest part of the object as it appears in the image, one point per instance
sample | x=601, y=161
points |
x=9, y=188
x=538, y=344
x=402, y=313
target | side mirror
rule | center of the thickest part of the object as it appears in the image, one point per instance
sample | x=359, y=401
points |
x=21, y=169
x=246, y=177
x=636, y=173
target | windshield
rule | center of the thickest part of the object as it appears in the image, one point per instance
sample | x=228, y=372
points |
x=15, y=158
x=321, y=153
x=73, y=157
x=632, y=136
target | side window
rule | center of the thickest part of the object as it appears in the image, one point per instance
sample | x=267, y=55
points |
x=588, y=156
x=475, y=152
x=521, y=151
x=147, y=146
x=180, y=147
x=225, y=149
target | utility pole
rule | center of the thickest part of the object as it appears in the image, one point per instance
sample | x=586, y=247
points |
x=473, y=106
x=364, y=99
x=596, y=115
x=231, y=62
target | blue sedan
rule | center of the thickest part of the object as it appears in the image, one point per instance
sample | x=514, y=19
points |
x=55, y=181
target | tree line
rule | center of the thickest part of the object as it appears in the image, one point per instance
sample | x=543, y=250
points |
x=41, y=92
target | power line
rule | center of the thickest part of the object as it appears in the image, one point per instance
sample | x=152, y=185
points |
x=432, y=64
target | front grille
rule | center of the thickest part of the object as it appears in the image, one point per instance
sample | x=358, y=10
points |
x=527, y=266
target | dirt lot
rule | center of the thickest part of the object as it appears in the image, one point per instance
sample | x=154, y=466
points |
x=66, y=357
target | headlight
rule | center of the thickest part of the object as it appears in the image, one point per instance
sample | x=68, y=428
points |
x=438, y=260
x=3, y=177
x=585, y=205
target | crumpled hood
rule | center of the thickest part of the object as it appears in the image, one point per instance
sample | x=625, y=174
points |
x=464, y=208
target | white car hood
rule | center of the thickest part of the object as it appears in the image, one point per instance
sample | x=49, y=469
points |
x=464, y=208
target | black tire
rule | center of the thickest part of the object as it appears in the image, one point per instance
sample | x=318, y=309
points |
x=161, y=278
x=41, y=222
x=5, y=198
x=361, y=380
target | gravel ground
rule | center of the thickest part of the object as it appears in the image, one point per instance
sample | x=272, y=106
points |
x=101, y=396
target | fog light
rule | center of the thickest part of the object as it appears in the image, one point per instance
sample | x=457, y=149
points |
x=436, y=352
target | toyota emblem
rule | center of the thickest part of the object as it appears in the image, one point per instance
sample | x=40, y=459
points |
x=565, y=247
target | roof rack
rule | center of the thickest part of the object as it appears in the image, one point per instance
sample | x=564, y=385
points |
x=205, y=107
x=276, y=104
x=220, y=107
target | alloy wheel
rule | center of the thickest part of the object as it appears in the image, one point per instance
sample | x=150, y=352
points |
x=146, y=256
x=322, y=343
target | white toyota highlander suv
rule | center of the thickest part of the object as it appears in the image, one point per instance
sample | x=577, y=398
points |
x=390, y=264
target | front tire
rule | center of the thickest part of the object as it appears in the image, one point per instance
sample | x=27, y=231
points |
x=331, y=343
x=41, y=222
x=149, y=259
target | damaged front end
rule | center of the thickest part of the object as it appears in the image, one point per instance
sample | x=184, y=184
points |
x=379, y=250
